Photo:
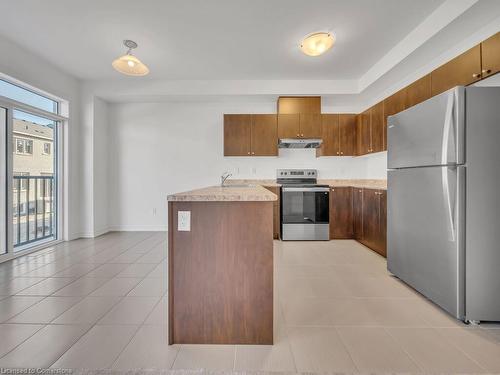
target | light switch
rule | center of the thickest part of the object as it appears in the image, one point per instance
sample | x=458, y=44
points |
x=184, y=221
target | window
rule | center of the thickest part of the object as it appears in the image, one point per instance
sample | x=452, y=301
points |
x=23, y=146
x=46, y=148
x=19, y=146
x=12, y=91
x=28, y=147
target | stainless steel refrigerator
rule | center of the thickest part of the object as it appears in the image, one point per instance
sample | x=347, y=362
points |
x=444, y=200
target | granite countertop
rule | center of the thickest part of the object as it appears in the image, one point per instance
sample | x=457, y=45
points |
x=249, y=193
x=357, y=183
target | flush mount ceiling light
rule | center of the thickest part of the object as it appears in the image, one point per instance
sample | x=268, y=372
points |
x=317, y=43
x=129, y=64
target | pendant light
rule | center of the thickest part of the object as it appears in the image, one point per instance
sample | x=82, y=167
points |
x=317, y=43
x=129, y=64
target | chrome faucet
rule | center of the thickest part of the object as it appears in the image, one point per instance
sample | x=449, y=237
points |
x=224, y=177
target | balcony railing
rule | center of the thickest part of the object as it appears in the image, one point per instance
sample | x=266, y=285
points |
x=33, y=209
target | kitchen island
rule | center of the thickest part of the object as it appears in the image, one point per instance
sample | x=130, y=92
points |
x=220, y=266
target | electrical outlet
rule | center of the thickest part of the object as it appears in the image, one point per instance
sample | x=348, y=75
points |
x=184, y=221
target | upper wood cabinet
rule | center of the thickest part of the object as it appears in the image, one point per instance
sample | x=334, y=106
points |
x=264, y=135
x=338, y=135
x=461, y=71
x=363, y=134
x=329, y=135
x=370, y=136
x=299, y=104
x=378, y=142
x=310, y=125
x=303, y=125
x=418, y=91
x=347, y=134
x=299, y=117
x=394, y=104
x=237, y=133
x=250, y=135
x=490, y=56
x=288, y=125
x=341, y=223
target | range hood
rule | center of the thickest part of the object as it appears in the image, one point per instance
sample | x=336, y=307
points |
x=299, y=143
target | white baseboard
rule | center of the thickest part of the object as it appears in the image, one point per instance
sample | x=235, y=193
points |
x=96, y=233
x=138, y=228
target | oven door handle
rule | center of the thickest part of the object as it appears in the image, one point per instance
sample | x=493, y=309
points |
x=302, y=189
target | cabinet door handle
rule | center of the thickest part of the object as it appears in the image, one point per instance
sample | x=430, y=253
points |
x=341, y=153
x=298, y=135
x=248, y=152
x=302, y=135
x=476, y=75
x=486, y=71
x=337, y=152
x=253, y=153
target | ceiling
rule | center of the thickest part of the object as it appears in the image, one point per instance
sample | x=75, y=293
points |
x=213, y=39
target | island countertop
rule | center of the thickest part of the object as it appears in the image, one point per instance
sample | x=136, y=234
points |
x=230, y=193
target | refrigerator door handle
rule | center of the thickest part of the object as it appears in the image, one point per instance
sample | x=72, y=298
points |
x=448, y=118
x=449, y=209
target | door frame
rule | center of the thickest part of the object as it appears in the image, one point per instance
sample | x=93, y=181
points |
x=61, y=181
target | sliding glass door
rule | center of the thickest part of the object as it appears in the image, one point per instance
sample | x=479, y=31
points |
x=29, y=178
x=4, y=182
x=34, y=179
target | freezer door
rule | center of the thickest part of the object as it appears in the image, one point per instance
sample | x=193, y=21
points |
x=430, y=133
x=425, y=232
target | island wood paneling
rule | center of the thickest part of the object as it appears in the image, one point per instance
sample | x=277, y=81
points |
x=221, y=273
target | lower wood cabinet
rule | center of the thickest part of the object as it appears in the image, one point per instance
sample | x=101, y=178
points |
x=374, y=232
x=360, y=214
x=276, y=210
x=341, y=223
x=357, y=213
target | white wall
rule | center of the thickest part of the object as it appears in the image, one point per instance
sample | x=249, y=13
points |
x=28, y=68
x=100, y=162
x=161, y=148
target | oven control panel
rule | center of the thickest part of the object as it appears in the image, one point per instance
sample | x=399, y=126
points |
x=297, y=173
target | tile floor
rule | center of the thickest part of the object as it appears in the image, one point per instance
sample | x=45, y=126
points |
x=101, y=303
